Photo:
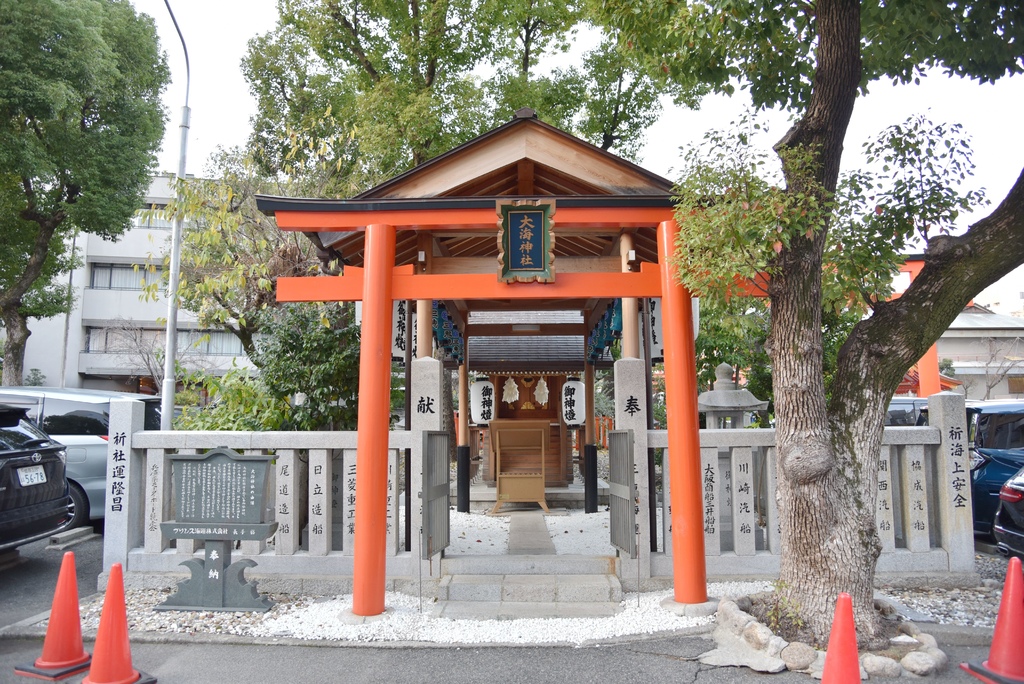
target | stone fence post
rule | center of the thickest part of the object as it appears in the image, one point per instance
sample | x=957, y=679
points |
x=946, y=411
x=631, y=414
x=125, y=494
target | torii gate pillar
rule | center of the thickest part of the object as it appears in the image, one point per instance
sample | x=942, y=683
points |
x=689, y=572
x=370, y=552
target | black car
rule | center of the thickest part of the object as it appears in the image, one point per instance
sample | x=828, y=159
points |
x=34, y=499
x=997, y=452
x=1009, y=525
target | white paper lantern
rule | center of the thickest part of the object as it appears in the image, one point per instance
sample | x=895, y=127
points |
x=574, y=402
x=481, y=401
x=655, y=327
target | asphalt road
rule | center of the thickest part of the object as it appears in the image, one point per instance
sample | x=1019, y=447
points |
x=26, y=590
x=651, y=661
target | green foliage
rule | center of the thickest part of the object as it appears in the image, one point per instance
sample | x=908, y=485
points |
x=734, y=332
x=400, y=78
x=770, y=47
x=312, y=350
x=35, y=378
x=946, y=367
x=82, y=118
x=781, y=612
x=237, y=401
x=232, y=253
x=388, y=87
x=309, y=371
x=910, y=193
x=924, y=163
x=533, y=28
x=734, y=217
x=621, y=101
x=80, y=123
x=295, y=91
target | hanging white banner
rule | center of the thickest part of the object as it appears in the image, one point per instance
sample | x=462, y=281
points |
x=400, y=320
x=655, y=328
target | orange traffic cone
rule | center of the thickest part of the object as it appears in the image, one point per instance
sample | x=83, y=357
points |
x=63, y=654
x=842, y=665
x=112, y=656
x=1005, y=664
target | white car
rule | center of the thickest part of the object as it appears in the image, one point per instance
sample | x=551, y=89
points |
x=78, y=419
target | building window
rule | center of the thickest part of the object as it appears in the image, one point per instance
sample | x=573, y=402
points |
x=129, y=340
x=1016, y=383
x=209, y=343
x=122, y=340
x=124, y=276
x=149, y=219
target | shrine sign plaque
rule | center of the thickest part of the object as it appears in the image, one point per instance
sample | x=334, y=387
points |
x=219, y=497
x=526, y=241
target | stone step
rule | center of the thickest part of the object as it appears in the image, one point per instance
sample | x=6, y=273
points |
x=530, y=588
x=530, y=564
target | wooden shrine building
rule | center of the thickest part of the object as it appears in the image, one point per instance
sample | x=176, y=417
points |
x=524, y=238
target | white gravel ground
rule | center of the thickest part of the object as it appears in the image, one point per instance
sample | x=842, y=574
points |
x=641, y=614
x=479, y=533
x=573, y=533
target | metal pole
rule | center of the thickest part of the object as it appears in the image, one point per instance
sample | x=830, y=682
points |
x=67, y=316
x=171, y=348
x=652, y=499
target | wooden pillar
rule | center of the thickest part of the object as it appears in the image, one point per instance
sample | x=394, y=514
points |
x=588, y=380
x=928, y=373
x=424, y=307
x=463, y=427
x=630, y=307
x=689, y=570
x=370, y=549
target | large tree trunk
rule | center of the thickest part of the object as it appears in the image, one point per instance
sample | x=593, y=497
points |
x=11, y=298
x=14, y=350
x=828, y=456
x=827, y=540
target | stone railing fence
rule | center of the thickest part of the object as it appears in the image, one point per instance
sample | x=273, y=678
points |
x=924, y=514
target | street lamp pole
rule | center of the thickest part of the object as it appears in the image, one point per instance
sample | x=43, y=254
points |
x=171, y=349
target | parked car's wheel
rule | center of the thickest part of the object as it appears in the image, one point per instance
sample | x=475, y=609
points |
x=80, y=504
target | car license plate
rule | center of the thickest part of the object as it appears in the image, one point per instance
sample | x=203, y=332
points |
x=32, y=475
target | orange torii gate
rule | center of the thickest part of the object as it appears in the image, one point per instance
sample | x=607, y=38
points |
x=380, y=282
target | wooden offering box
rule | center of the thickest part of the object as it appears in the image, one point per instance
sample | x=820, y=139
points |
x=520, y=449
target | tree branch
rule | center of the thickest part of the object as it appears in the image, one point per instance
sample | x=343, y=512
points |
x=956, y=269
x=354, y=42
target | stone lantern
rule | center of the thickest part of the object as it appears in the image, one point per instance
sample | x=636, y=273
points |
x=728, y=406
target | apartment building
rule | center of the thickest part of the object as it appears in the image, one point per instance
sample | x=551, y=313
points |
x=113, y=338
x=987, y=351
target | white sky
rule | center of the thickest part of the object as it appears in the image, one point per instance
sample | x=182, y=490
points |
x=217, y=32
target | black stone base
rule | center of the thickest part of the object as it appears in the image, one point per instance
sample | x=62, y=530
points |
x=590, y=478
x=51, y=675
x=462, y=479
x=217, y=584
x=979, y=671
